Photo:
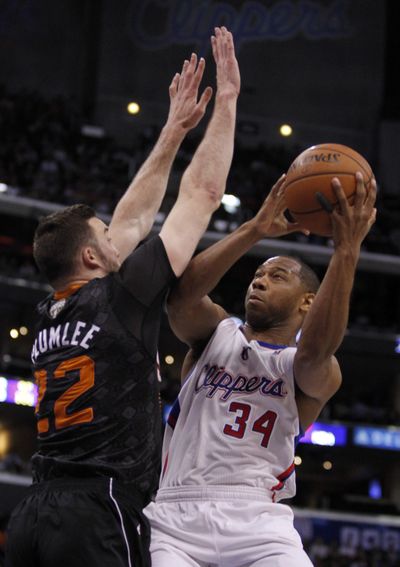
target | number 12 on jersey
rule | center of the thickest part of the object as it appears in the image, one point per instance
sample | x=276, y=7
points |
x=84, y=367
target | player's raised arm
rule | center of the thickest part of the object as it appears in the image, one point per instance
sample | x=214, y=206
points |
x=192, y=314
x=315, y=367
x=135, y=213
x=203, y=183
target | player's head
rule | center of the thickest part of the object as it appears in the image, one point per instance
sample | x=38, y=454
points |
x=67, y=239
x=280, y=293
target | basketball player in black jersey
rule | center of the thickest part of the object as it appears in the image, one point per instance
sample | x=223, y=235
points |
x=95, y=349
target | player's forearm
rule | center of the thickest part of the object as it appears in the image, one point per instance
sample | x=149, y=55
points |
x=141, y=201
x=212, y=160
x=326, y=322
x=209, y=266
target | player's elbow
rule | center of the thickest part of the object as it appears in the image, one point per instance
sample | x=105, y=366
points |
x=208, y=196
x=214, y=194
x=207, y=193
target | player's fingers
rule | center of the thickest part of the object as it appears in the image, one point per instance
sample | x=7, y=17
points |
x=279, y=185
x=295, y=227
x=372, y=218
x=199, y=109
x=371, y=194
x=218, y=43
x=192, y=66
x=225, y=39
x=225, y=43
x=198, y=75
x=360, y=191
x=276, y=196
x=183, y=73
x=187, y=74
x=214, y=48
x=340, y=195
x=205, y=99
x=230, y=45
x=173, y=87
x=324, y=202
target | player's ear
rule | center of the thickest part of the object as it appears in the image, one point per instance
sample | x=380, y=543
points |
x=90, y=258
x=306, y=302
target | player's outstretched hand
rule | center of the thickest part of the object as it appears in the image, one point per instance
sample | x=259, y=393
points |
x=185, y=109
x=228, y=74
x=351, y=223
x=270, y=219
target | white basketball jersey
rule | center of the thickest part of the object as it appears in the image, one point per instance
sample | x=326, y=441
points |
x=235, y=421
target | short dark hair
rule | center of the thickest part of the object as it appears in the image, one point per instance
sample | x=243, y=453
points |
x=58, y=239
x=307, y=275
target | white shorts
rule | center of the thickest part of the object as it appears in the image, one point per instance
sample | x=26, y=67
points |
x=222, y=527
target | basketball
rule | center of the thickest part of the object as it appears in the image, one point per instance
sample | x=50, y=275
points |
x=311, y=172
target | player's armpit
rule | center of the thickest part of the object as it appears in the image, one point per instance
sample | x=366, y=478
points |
x=189, y=361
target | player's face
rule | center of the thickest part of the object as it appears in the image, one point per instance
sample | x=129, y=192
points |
x=108, y=253
x=275, y=293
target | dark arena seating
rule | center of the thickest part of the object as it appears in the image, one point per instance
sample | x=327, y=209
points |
x=67, y=139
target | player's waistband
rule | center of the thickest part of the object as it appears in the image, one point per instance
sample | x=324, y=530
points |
x=205, y=493
x=105, y=485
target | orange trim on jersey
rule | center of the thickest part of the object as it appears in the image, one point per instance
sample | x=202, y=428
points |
x=70, y=290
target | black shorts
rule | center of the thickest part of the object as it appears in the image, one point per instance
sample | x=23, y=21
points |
x=78, y=523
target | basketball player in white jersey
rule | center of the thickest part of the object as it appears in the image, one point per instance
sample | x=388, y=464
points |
x=249, y=391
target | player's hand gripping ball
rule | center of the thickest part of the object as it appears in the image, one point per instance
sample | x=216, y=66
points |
x=309, y=177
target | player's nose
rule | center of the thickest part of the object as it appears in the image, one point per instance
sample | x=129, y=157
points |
x=259, y=283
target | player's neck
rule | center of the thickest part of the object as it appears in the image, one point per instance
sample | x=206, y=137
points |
x=80, y=278
x=276, y=336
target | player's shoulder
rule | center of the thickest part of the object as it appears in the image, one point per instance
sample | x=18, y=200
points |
x=231, y=322
x=282, y=359
x=223, y=333
x=146, y=266
x=153, y=245
x=284, y=352
x=226, y=328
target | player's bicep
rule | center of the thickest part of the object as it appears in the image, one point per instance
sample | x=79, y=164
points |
x=194, y=324
x=318, y=381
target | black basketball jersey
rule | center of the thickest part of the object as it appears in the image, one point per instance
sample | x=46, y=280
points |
x=95, y=362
